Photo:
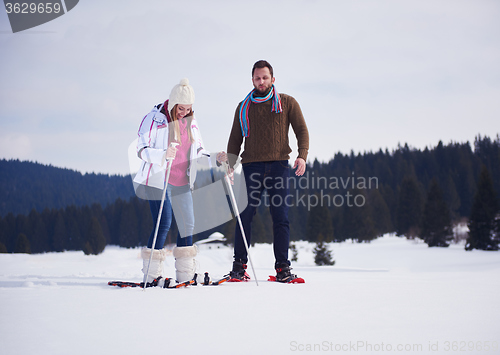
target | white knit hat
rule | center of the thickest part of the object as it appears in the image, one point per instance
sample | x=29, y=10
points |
x=182, y=94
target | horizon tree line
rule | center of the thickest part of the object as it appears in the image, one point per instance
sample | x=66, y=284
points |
x=418, y=194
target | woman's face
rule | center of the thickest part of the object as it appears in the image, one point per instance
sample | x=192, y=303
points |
x=183, y=110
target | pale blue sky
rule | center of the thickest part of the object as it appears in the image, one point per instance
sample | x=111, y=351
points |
x=367, y=74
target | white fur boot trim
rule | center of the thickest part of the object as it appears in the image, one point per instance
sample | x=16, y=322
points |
x=156, y=267
x=185, y=263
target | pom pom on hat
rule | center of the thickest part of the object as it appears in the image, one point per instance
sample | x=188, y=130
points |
x=181, y=94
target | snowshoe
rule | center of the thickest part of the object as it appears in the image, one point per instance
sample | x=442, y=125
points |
x=156, y=282
x=170, y=283
x=284, y=275
x=239, y=273
x=207, y=281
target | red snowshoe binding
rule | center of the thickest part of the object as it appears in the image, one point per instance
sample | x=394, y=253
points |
x=239, y=273
x=284, y=275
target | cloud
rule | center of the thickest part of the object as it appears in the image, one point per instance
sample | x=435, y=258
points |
x=367, y=74
x=16, y=146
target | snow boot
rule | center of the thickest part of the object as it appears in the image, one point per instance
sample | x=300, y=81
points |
x=185, y=263
x=284, y=274
x=239, y=272
x=156, y=267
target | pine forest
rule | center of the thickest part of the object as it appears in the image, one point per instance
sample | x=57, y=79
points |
x=411, y=192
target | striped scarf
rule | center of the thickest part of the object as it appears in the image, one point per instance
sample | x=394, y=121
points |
x=257, y=100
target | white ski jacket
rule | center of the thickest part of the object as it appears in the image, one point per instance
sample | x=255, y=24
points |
x=152, y=150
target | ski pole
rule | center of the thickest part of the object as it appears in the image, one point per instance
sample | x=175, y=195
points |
x=209, y=165
x=237, y=213
x=169, y=162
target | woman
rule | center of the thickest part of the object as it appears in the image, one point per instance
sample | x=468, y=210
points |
x=170, y=122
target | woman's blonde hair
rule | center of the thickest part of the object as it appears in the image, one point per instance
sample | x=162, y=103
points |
x=174, y=134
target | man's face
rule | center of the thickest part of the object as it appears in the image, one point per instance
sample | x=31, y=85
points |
x=262, y=80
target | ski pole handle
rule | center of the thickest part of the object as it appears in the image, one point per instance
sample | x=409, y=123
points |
x=229, y=173
x=172, y=145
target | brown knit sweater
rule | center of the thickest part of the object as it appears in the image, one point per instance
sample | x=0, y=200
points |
x=268, y=132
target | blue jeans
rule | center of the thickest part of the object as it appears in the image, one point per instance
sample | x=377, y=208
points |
x=272, y=176
x=184, y=216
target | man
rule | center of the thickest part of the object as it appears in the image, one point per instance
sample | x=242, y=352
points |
x=263, y=119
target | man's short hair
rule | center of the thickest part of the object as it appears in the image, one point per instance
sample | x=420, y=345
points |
x=263, y=64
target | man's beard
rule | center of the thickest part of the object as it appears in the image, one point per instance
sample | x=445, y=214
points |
x=264, y=92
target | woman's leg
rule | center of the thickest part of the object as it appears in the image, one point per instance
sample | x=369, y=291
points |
x=182, y=205
x=165, y=221
x=185, y=252
x=157, y=254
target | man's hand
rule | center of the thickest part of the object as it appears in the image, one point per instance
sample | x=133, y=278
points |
x=300, y=164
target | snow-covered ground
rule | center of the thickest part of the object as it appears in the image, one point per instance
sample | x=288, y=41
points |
x=390, y=296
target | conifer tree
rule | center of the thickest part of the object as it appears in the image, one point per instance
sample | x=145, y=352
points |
x=436, y=223
x=322, y=256
x=319, y=222
x=380, y=212
x=451, y=197
x=298, y=229
x=74, y=230
x=409, y=208
x=466, y=183
x=146, y=224
x=22, y=244
x=87, y=249
x=295, y=253
x=358, y=222
x=59, y=237
x=483, y=226
x=96, y=241
x=496, y=236
x=22, y=225
x=38, y=236
x=129, y=227
x=4, y=230
x=8, y=231
x=338, y=222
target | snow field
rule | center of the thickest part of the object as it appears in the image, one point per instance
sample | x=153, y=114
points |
x=390, y=296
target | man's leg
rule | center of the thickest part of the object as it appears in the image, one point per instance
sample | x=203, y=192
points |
x=253, y=173
x=278, y=193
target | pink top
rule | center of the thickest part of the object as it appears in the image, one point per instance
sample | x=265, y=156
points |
x=178, y=173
